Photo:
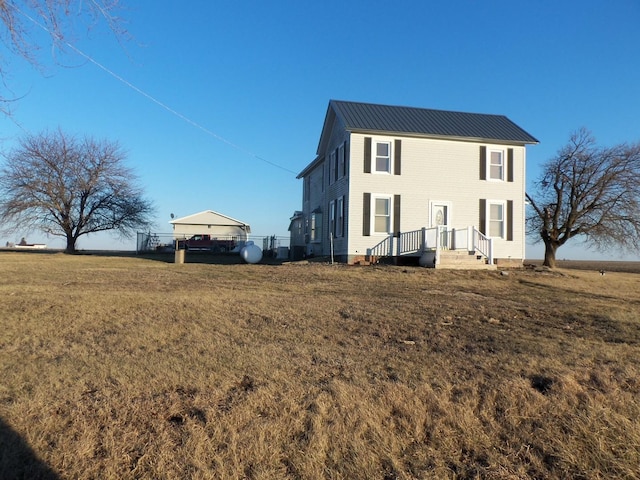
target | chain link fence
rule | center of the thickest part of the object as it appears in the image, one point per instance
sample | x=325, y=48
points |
x=272, y=246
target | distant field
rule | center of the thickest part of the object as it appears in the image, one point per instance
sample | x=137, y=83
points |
x=135, y=368
x=607, y=266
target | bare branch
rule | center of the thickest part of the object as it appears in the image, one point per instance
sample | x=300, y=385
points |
x=20, y=21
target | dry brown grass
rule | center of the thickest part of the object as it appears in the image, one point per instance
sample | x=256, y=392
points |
x=132, y=368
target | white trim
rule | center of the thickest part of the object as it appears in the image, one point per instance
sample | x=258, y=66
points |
x=503, y=165
x=374, y=156
x=446, y=203
x=503, y=204
x=389, y=198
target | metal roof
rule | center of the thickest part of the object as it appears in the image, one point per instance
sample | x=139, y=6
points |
x=367, y=117
x=208, y=217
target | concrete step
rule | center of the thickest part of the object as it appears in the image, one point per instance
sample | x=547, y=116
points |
x=465, y=266
x=463, y=260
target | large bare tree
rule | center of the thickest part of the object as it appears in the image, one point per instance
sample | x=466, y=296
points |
x=23, y=23
x=590, y=192
x=68, y=187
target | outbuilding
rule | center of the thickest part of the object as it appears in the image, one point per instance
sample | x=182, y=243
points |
x=211, y=223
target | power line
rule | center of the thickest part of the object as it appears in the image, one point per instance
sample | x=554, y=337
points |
x=152, y=98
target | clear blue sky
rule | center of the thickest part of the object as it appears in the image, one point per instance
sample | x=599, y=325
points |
x=253, y=80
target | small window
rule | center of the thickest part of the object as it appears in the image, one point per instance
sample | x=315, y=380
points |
x=382, y=215
x=332, y=168
x=383, y=157
x=496, y=220
x=307, y=188
x=315, y=228
x=496, y=165
x=332, y=218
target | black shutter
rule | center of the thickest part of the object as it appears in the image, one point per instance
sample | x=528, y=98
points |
x=483, y=219
x=510, y=165
x=346, y=158
x=366, y=215
x=397, y=155
x=510, y=220
x=483, y=163
x=396, y=215
x=367, y=154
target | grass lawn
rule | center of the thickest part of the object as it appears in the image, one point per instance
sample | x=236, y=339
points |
x=129, y=368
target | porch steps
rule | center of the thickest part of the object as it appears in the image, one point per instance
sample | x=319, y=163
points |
x=463, y=260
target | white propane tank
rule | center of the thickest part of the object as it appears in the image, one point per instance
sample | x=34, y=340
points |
x=251, y=253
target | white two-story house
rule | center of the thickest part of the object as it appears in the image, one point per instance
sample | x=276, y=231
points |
x=415, y=184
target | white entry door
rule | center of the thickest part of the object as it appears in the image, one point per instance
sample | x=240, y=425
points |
x=440, y=218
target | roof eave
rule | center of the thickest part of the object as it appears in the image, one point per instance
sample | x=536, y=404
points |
x=444, y=137
x=309, y=167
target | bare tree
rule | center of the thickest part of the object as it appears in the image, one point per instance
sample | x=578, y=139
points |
x=70, y=187
x=22, y=21
x=590, y=192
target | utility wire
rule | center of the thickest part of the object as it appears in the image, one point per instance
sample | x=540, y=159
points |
x=150, y=97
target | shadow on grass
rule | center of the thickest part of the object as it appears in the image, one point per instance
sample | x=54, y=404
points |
x=18, y=461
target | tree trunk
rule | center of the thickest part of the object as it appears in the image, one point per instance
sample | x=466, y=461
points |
x=71, y=244
x=550, y=254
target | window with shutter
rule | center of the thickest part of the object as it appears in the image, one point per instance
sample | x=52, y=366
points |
x=496, y=219
x=496, y=165
x=382, y=215
x=383, y=157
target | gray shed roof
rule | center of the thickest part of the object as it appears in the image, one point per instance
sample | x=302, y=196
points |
x=367, y=117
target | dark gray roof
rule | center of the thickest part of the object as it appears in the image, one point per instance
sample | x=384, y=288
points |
x=367, y=117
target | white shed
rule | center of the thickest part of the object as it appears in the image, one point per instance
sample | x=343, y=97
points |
x=210, y=223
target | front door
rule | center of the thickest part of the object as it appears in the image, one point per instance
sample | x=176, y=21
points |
x=440, y=218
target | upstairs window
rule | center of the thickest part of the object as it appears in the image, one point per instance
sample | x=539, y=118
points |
x=496, y=165
x=383, y=157
x=306, y=188
x=332, y=168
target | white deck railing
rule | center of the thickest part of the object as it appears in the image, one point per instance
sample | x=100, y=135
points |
x=434, y=239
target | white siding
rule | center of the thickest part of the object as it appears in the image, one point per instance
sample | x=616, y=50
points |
x=435, y=170
x=221, y=231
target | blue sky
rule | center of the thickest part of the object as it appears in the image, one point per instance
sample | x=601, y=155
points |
x=251, y=81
